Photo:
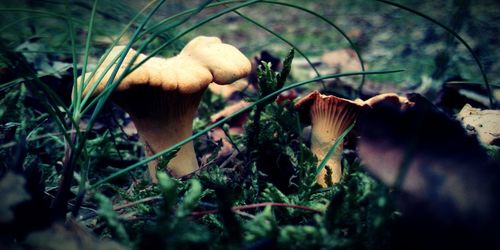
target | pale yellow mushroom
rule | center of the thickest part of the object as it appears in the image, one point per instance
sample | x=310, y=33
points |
x=329, y=117
x=162, y=95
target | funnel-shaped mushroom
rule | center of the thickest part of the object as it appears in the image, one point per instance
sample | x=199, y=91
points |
x=329, y=116
x=162, y=95
x=388, y=98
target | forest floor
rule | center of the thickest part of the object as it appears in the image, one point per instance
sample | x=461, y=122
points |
x=419, y=165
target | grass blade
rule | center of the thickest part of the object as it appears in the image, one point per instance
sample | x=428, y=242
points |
x=331, y=151
x=79, y=91
x=457, y=36
x=94, y=86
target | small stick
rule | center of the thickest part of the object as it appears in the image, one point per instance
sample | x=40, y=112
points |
x=257, y=205
x=130, y=204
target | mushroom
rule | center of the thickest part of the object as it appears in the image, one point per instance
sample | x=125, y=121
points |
x=380, y=159
x=388, y=98
x=162, y=95
x=329, y=117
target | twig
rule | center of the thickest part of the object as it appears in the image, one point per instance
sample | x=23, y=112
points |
x=224, y=164
x=187, y=176
x=229, y=159
x=59, y=205
x=257, y=205
x=245, y=214
x=254, y=136
x=130, y=204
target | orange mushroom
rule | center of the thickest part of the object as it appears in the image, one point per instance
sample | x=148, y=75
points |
x=162, y=95
x=391, y=98
x=329, y=117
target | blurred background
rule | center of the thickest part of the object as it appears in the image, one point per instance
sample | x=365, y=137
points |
x=387, y=37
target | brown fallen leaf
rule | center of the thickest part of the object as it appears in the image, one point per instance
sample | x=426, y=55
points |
x=287, y=96
x=235, y=126
x=484, y=123
x=227, y=91
x=231, y=109
x=355, y=33
x=227, y=148
x=342, y=60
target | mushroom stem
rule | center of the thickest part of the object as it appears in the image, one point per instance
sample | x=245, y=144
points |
x=183, y=163
x=329, y=117
x=330, y=120
x=163, y=119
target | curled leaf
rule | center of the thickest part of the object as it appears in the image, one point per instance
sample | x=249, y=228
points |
x=484, y=123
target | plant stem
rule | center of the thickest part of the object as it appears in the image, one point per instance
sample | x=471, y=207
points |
x=130, y=204
x=254, y=136
x=59, y=206
x=257, y=205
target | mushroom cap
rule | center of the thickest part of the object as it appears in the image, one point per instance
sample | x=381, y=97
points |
x=141, y=74
x=326, y=103
x=200, y=42
x=226, y=63
x=202, y=61
x=181, y=74
x=391, y=98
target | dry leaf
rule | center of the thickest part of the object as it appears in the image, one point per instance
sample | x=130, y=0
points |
x=227, y=148
x=237, y=121
x=226, y=91
x=342, y=60
x=484, y=123
x=235, y=126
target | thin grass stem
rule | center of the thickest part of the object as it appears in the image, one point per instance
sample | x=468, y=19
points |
x=457, y=36
x=332, y=149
